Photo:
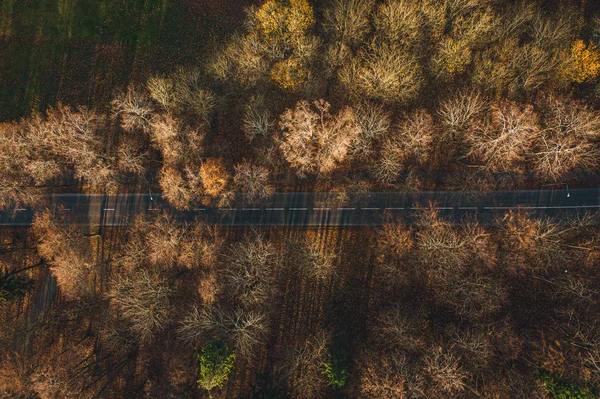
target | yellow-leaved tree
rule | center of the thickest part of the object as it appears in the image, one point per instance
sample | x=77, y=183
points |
x=285, y=20
x=583, y=64
x=277, y=45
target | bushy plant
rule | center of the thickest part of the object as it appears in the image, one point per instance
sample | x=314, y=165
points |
x=13, y=287
x=560, y=387
x=335, y=371
x=216, y=364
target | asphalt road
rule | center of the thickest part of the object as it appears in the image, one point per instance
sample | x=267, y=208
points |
x=315, y=209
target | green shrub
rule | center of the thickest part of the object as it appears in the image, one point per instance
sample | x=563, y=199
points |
x=13, y=287
x=335, y=371
x=216, y=363
x=562, y=388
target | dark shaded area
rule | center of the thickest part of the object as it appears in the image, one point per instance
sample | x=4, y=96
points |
x=79, y=52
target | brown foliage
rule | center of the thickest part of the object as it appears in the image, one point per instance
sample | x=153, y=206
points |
x=396, y=238
x=215, y=177
x=445, y=250
x=532, y=241
x=382, y=378
x=68, y=252
x=175, y=188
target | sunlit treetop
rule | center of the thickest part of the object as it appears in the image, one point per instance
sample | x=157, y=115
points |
x=584, y=63
x=285, y=19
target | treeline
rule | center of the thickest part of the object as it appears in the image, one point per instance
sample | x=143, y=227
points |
x=391, y=93
x=429, y=310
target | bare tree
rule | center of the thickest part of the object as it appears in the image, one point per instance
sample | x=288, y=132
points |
x=162, y=91
x=389, y=164
x=253, y=181
x=568, y=141
x=504, y=142
x=258, y=121
x=189, y=93
x=395, y=330
x=53, y=382
x=446, y=250
x=130, y=158
x=412, y=144
x=164, y=239
x=475, y=347
x=400, y=21
x=417, y=134
x=75, y=138
x=246, y=330
x=201, y=323
x=142, y=300
x=313, y=140
x=349, y=21
x=388, y=377
x=396, y=238
x=374, y=123
x=444, y=372
x=249, y=271
x=166, y=136
x=26, y=150
x=383, y=72
x=461, y=111
x=532, y=241
x=134, y=108
x=302, y=367
x=244, y=60
x=243, y=330
x=175, y=188
x=471, y=296
x=317, y=263
x=442, y=246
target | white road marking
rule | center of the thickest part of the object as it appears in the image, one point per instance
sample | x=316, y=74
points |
x=20, y=210
x=274, y=209
x=298, y=209
x=346, y=209
x=321, y=209
x=467, y=207
x=371, y=209
x=445, y=207
x=199, y=209
x=395, y=209
x=543, y=207
x=228, y=209
x=109, y=209
x=250, y=209
x=153, y=209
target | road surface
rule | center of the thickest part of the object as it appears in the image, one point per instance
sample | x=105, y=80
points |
x=314, y=209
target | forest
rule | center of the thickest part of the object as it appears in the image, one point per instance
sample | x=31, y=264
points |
x=210, y=101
